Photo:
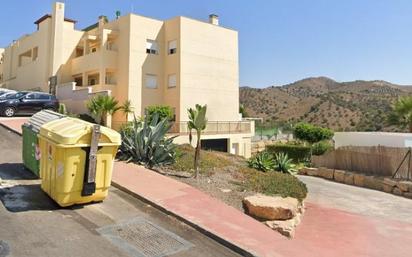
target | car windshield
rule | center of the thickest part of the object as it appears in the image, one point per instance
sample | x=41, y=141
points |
x=12, y=95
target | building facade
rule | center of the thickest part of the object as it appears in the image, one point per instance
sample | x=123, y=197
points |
x=178, y=62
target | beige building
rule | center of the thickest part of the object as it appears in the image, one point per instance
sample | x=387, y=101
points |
x=178, y=62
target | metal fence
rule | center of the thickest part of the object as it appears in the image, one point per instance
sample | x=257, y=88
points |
x=376, y=160
x=215, y=127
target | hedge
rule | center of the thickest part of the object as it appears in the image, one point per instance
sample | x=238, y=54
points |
x=298, y=153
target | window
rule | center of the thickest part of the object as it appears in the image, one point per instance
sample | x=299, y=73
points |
x=43, y=97
x=152, y=47
x=151, y=81
x=30, y=96
x=172, y=47
x=94, y=49
x=172, y=80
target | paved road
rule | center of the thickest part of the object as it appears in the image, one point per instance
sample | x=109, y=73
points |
x=32, y=225
x=356, y=200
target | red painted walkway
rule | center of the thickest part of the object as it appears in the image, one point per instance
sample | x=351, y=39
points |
x=323, y=232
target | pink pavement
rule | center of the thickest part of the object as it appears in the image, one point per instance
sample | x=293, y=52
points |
x=323, y=231
x=13, y=124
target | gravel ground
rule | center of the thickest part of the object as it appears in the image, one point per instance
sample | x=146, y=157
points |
x=220, y=184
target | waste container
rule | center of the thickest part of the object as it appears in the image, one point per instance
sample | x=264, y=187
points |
x=30, y=129
x=76, y=160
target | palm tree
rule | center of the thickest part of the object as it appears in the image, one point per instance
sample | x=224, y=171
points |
x=127, y=108
x=198, y=122
x=402, y=112
x=101, y=106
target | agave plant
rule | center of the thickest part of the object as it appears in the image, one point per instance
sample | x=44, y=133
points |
x=283, y=163
x=146, y=143
x=262, y=161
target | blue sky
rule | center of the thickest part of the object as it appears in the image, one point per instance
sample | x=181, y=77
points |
x=280, y=40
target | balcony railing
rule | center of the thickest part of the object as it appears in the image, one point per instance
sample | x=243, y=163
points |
x=215, y=127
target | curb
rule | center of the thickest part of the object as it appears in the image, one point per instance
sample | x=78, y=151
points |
x=205, y=232
x=10, y=129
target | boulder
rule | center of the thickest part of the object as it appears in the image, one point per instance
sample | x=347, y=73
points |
x=387, y=188
x=407, y=195
x=405, y=186
x=389, y=182
x=284, y=227
x=312, y=171
x=373, y=183
x=325, y=173
x=339, y=176
x=359, y=180
x=265, y=207
x=349, y=178
x=397, y=191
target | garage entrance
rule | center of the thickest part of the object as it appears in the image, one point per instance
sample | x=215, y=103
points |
x=214, y=144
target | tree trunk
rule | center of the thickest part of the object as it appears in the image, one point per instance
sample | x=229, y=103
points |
x=197, y=155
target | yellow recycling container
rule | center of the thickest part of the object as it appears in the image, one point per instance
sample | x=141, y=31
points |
x=76, y=160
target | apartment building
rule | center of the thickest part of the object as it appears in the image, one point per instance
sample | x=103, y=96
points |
x=178, y=62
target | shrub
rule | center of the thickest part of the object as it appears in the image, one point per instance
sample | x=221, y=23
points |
x=311, y=133
x=321, y=147
x=274, y=183
x=162, y=111
x=147, y=144
x=62, y=109
x=283, y=163
x=262, y=161
x=298, y=153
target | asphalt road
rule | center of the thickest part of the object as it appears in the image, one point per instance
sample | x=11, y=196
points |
x=31, y=224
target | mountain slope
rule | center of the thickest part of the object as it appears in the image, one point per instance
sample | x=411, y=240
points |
x=342, y=106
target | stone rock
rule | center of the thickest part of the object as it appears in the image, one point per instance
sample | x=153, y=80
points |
x=389, y=182
x=397, y=191
x=225, y=190
x=303, y=171
x=405, y=186
x=373, y=183
x=387, y=188
x=407, y=195
x=284, y=227
x=271, y=207
x=312, y=171
x=339, y=176
x=359, y=180
x=325, y=173
x=349, y=178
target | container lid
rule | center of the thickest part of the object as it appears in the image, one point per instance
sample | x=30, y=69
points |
x=72, y=131
x=41, y=118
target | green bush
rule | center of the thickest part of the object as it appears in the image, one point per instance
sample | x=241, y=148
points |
x=311, y=133
x=147, y=144
x=298, y=153
x=283, y=163
x=162, y=111
x=262, y=161
x=321, y=147
x=275, y=183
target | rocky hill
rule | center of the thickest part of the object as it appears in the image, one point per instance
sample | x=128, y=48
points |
x=342, y=106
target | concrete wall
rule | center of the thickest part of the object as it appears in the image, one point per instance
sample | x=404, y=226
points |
x=75, y=98
x=372, y=139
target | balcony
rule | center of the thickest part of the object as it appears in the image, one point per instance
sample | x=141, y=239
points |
x=216, y=127
x=94, y=61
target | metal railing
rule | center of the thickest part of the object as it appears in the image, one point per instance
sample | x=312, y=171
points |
x=215, y=127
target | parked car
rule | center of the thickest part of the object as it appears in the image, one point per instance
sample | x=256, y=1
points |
x=27, y=103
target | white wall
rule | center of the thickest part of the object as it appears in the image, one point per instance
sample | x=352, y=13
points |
x=372, y=139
